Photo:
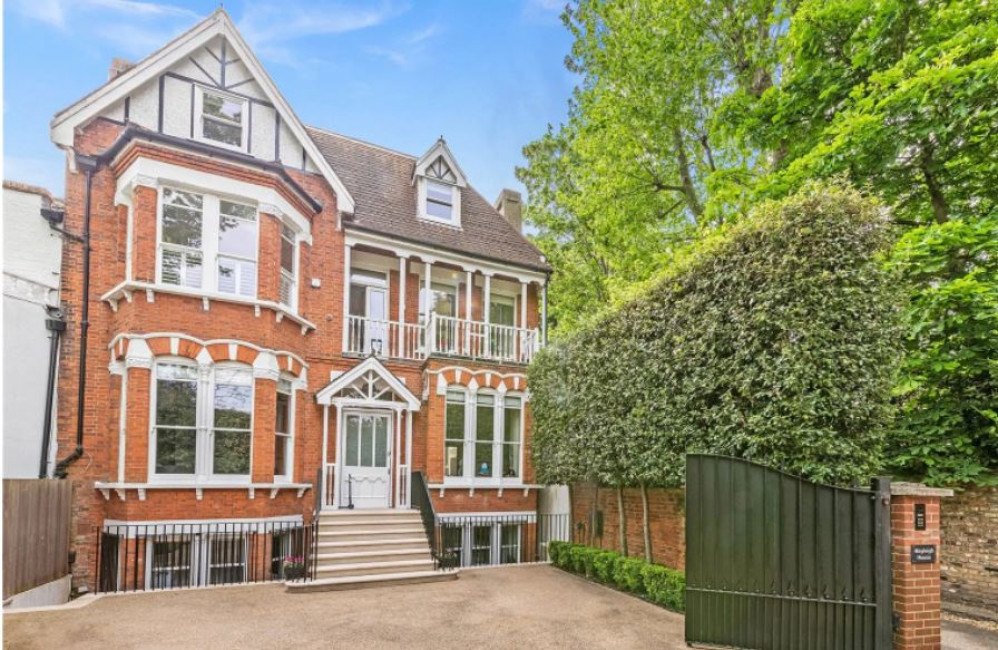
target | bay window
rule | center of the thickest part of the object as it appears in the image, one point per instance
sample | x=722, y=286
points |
x=195, y=228
x=483, y=436
x=289, y=285
x=196, y=438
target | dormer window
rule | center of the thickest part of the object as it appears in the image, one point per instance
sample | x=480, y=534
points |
x=222, y=118
x=439, y=201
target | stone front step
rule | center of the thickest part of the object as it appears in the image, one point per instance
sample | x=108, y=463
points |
x=368, y=557
x=371, y=535
x=392, y=544
x=366, y=582
x=372, y=568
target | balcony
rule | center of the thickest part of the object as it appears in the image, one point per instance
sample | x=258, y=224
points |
x=443, y=336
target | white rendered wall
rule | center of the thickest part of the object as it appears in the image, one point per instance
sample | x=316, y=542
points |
x=31, y=265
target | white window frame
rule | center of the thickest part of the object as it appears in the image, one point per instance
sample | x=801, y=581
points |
x=219, y=255
x=455, y=220
x=469, y=476
x=200, y=564
x=289, y=437
x=495, y=541
x=199, y=118
x=204, y=426
x=210, y=217
x=293, y=276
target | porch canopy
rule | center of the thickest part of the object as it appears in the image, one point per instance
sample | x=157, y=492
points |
x=369, y=384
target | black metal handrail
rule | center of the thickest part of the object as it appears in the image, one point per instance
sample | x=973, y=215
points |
x=422, y=501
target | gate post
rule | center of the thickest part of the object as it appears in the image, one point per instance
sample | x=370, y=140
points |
x=915, y=535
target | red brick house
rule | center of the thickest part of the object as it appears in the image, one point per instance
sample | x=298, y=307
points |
x=274, y=320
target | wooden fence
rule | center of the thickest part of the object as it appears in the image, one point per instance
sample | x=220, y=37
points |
x=36, y=520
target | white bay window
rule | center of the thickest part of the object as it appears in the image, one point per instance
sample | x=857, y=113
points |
x=195, y=228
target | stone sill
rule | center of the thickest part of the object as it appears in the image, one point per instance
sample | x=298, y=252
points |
x=918, y=490
x=121, y=489
x=126, y=290
x=472, y=486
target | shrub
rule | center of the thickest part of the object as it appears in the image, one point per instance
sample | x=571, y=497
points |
x=658, y=584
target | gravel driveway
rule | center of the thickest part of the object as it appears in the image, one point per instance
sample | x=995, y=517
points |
x=516, y=607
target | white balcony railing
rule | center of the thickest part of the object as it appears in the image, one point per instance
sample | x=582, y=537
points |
x=445, y=336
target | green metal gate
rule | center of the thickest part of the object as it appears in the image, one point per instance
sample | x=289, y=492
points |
x=776, y=562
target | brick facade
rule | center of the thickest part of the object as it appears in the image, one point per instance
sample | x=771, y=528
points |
x=186, y=327
x=667, y=514
x=970, y=548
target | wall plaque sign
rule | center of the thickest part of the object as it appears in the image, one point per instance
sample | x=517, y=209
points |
x=923, y=553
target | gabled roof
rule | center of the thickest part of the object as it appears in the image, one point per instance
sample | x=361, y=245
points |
x=440, y=150
x=380, y=180
x=358, y=372
x=217, y=24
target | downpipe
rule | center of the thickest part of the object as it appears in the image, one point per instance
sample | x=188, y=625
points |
x=56, y=326
x=89, y=166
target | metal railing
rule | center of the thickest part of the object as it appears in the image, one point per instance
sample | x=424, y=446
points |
x=448, y=336
x=146, y=557
x=328, y=484
x=486, y=540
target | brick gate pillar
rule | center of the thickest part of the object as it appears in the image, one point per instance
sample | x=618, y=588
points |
x=915, y=543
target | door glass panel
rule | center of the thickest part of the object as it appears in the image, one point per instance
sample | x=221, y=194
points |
x=353, y=440
x=366, y=442
x=381, y=442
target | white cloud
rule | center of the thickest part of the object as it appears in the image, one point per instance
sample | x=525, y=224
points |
x=268, y=23
x=410, y=49
x=57, y=12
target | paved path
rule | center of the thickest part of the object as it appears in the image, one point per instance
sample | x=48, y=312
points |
x=958, y=635
x=517, y=607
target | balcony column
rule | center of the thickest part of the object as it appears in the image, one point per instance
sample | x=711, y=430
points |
x=346, y=297
x=544, y=312
x=402, y=287
x=467, y=312
x=486, y=304
x=522, y=335
x=431, y=335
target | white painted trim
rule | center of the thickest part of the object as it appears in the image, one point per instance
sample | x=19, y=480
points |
x=440, y=148
x=198, y=118
x=141, y=170
x=63, y=125
x=455, y=515
x=124, y=289
x=325, y=396
x=291, y=519
x=121, y=489
x=427, y=252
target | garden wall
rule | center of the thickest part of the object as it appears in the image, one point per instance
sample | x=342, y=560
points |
x=970, y=548
x=667, y=514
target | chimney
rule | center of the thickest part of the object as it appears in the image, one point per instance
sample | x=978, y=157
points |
x=119, y=66
x=509, y=205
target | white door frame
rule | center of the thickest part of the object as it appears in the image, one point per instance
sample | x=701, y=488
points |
x=342, y=501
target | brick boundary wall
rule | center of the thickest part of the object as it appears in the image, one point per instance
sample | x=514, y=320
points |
x=667, y=512
x=916, y=584
x=970, y=548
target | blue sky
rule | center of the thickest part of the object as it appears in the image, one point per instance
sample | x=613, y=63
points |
x=488, y=75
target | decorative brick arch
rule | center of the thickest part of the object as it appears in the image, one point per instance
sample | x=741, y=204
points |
x=477, y=379
x=162, y=344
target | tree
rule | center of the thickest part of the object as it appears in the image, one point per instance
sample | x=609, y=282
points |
x=634, y=174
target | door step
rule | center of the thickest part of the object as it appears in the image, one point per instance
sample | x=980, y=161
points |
x=358, y=569
x=369, y=581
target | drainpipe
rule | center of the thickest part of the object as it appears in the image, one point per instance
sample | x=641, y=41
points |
x=89, y=165
x=56, y=326
x=544, y=307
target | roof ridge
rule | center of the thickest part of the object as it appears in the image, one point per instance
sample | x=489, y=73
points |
x=363, y=142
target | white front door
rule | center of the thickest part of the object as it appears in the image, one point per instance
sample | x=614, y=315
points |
x=365, y=481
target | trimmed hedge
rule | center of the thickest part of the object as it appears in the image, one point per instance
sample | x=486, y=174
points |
x=653, y=582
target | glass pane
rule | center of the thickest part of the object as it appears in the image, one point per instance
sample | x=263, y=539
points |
x=233, y=398
x=222, y=107
x=440, y=193
x=170, y=271
x=226, y=560
x=367, y=442
x=282, y=424
x=227, y=275
x=358, y=300
x=439, y=210
x=511, y=460
x=238, y=210
x=511, y=421
x=181, y=226
x=454, y=458
x=287, y=251
x=281, y=455
x=176, y=450
x=483, y=460
x=509, y=552
x=232, y=452
x=176, y=397
x=453, y=543
x=353, y=441
x=183, y=199
x=444, y=300
x=455, y=421
x=502, y=313
x=171, y=563
x=481, y=545
x=236, y=276
x=484, y=425
x=287, y=289
x=192, y=269
x=230, y=134
x=381, y=442
x=237, y=236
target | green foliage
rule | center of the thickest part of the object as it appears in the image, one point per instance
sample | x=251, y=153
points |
x=661, y=585
x=948, y=430
x=775, y=338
